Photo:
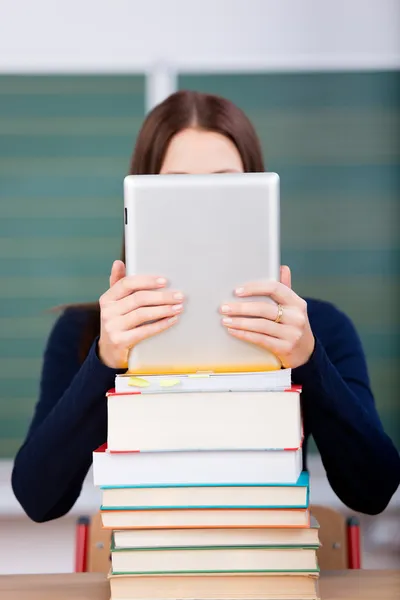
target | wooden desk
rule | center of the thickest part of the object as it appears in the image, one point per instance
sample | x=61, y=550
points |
x=335, y=585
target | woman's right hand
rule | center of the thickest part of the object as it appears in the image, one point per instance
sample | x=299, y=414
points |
x=126, y=305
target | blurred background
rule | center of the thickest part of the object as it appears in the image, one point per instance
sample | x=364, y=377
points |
x=321, y=82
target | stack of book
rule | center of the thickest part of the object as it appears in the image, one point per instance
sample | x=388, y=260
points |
x=203, y=489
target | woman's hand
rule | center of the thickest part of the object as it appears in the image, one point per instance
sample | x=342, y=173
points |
x=126, y=309
x=283, y=329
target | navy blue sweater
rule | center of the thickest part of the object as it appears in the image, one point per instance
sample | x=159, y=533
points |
x=70, y=420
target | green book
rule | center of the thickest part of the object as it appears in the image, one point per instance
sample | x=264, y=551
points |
x=137, y=539
x=214, y=559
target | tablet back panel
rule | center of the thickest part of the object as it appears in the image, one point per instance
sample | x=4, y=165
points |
x=207, y=234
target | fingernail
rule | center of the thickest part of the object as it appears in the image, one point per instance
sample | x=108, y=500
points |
x=177, y=307
x=172, y=320
x=225, y=308
x=227, y=320
x=178, y=296
x=239, y=291
x=161, y=281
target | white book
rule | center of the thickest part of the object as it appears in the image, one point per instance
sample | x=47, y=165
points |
x=195, y=421
x=205, y=382
x=177, y=468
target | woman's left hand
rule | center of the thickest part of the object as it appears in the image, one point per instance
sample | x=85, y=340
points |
x=283, y=329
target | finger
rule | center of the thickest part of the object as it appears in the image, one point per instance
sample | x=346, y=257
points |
x=143, y=315
x=264, y=326
x=144, y=298
x=128, y=285
x=291, y=315
x=117, y=272
x=264, y=310
x=274, y=345
x=274, y=289
x=286, y=276
x=134, y=336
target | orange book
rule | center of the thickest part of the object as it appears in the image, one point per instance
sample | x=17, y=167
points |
x=187, y=518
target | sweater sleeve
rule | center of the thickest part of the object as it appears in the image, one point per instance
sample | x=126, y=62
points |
x=361, y=462
x=70, y=421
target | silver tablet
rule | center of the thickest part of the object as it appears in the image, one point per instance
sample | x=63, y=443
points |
x=207, y=234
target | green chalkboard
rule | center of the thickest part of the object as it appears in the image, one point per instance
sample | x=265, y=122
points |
x=334, y=140
x=65, y=144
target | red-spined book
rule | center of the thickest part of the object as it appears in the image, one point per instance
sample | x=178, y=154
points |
x=204, y=421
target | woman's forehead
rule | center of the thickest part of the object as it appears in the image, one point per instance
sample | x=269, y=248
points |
x=200, y=151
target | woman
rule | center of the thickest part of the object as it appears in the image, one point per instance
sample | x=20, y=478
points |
x=196, y=133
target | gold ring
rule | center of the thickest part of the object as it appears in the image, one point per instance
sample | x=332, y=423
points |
x=280, y=314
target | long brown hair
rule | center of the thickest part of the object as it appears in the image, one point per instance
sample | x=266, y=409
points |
x=179, y=111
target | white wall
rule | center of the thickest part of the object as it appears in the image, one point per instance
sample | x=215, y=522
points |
x=126, y=35
x=42, y=36
x=49, y=547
